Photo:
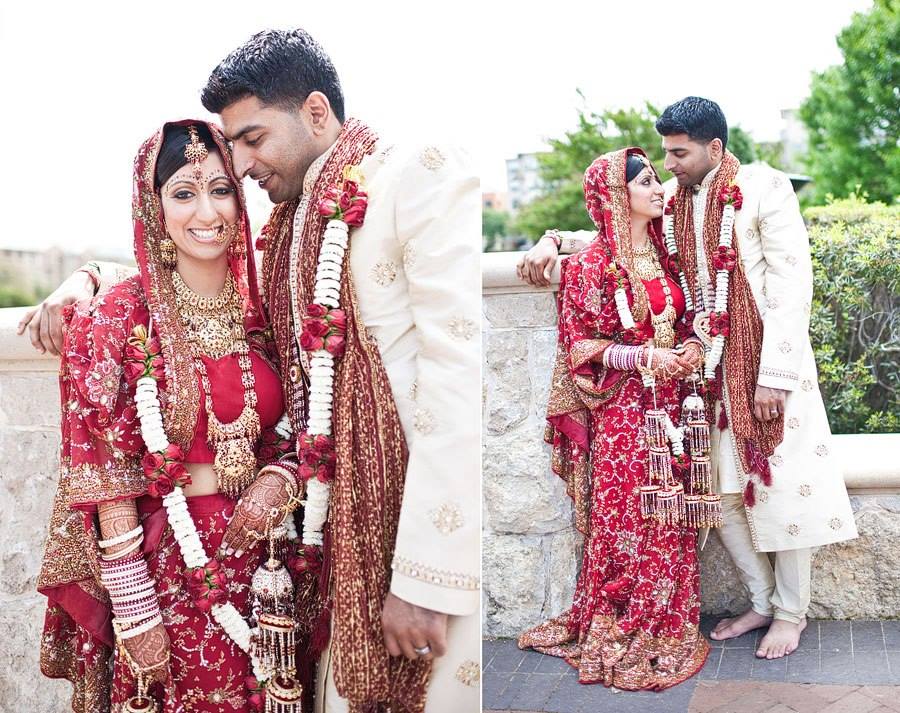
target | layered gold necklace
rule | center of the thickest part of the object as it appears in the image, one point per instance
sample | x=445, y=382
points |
x=215, y=328
x=647, y=267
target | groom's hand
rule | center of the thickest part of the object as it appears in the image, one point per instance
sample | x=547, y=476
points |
x=768, y=403
x=44, y=322
x=408, y=627
x=536, y=266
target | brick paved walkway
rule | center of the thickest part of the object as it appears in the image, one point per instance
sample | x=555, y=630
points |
x=840, y=667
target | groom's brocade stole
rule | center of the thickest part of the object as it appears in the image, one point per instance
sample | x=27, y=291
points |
x=371, y=450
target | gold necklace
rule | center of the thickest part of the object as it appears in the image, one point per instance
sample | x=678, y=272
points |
x=214, y=325
x=647, y=267
x=235, y=461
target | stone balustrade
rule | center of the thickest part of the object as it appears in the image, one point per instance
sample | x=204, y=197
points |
x=531, y=551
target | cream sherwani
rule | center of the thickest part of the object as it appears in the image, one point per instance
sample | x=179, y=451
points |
x=415, y=268
x=807, y=503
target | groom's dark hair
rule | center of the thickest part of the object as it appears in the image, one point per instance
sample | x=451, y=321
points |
x=701, y=119
x=277, y=67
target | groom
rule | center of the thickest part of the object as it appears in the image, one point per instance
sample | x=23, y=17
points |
x=781, y=489
x=403, y=522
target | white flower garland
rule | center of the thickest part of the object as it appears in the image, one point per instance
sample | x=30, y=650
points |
x=672, y=250
x=714, y=352
x=321, y=374
x=150, y=414
x=625, y=316
x=721, y=302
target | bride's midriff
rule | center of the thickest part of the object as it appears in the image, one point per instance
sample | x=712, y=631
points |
x=203, y=479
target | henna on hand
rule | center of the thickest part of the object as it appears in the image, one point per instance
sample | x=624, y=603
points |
x=150, y=650
x=253, y=514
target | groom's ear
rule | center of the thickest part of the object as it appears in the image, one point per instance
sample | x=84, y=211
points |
x=716, y=150
x=318, y=109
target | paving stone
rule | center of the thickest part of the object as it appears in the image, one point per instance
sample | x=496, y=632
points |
x=891, y=631
x=710, y=669
x=886, y=696
x=803, y=666
x=532, y=693
x=553, y=664
x=769, y=670
x=507, y=657
x=809, y=639
x=735, y=664
x=530, y=661
x=835, y=667
x=871, y=667
x=854, y=702
x=834, y=636
x=493, y=684
x=867, y=636
x=502, y=700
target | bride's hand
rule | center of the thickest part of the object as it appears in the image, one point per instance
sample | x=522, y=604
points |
x=668, y=364
x=263, y=505
x=150, y=651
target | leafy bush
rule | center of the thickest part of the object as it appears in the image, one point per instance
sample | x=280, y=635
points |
x=855, y=320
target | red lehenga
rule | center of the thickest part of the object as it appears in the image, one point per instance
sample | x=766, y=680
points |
x=100, y=461
x=634, y=620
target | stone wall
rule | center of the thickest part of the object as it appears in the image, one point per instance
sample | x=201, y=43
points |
x=29, y=445
x=531, y=552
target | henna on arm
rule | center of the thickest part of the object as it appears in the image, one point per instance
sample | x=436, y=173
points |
x=117, y=518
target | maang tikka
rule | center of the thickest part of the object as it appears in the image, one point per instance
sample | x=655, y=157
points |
x=195, y=152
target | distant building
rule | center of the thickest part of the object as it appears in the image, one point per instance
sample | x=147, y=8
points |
x=495, y=201
x=39, y=272
x=794, y=141
x=523, y=180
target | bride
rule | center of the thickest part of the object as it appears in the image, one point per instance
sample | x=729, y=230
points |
x=174, y=483
x=639, y=484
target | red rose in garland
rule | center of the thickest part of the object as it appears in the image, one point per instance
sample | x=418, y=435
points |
x=345, y=201
x=206, y=585
x=719, y=323
x=731, y=195
x=143, y=356
x=725, y=258
x=324, y=329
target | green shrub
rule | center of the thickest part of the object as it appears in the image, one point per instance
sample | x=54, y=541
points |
x=855, y=320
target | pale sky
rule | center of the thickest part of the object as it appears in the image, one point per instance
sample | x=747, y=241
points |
x=83, y=88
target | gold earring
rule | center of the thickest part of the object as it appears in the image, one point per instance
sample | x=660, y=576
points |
x=167, y=252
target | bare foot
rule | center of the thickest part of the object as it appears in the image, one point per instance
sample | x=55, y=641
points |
x=735, y=626
x=781, y=639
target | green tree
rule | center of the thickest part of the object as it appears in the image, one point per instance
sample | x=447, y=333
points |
x=562, y=168
x=494, y=223
x=853, y=110
x=741, y=144
x=562, y=203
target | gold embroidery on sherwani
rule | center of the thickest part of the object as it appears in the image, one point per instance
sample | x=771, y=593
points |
x=447, y=518
x=468, y=673
x=432, y=158
x=461, y=328
x=384, y=272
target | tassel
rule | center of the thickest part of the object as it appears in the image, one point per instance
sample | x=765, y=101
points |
x=649, y=494
x=722, y=423
x=759, y=464
x=712, y=510
x=670, y=505
x=701, y=474
x=750, y=495
x=693, y=511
